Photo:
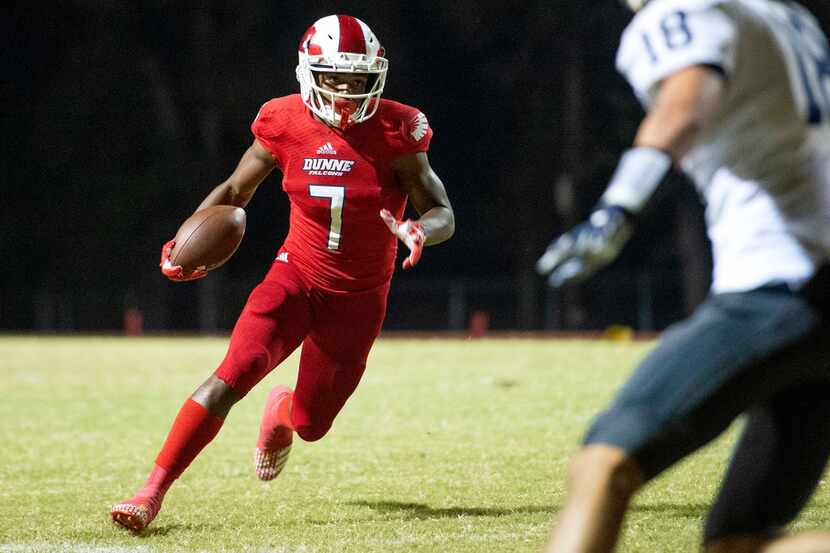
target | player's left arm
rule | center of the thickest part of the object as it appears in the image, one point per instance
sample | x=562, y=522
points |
x=428, y=196
x=436, y=221
x=684, y=103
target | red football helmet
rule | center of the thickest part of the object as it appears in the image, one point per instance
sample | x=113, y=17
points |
x=341, y=44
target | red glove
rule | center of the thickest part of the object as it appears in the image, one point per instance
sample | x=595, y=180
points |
x=175, y=272
x=410, y=233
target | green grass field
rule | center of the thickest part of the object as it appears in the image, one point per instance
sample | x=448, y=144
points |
x=447, y=446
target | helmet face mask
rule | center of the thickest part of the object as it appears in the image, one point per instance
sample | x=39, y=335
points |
x=341, y=44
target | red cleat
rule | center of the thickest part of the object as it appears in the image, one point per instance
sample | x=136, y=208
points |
x=137, y=513
x=275, y=434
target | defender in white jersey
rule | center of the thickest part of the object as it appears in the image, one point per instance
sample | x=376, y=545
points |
x=737, y=94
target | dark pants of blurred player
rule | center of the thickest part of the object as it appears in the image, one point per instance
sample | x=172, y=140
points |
x=336, y=331
x=764, y=353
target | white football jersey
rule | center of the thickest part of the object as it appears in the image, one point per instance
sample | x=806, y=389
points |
x=762, y=165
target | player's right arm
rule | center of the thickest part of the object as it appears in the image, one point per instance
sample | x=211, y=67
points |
x=238, y=189
x=685, y=102
x=679, y=62
x=683, y=105
x=256, y=163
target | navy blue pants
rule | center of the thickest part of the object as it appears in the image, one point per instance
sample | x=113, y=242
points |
x=764, y=353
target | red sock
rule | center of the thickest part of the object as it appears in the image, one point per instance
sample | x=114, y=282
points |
x=276, y=430
x=192, y=430
x=152, y=494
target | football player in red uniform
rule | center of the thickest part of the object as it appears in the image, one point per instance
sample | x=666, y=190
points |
x=349, y=161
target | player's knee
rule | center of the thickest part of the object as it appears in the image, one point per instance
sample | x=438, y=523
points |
x=625, y=426
x=245, y=364
x=312, y=432
x=249, y=356
x=735, y=544
x=606, y=466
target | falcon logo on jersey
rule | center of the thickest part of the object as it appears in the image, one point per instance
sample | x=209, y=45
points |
x=419, y=126
x=321, y=167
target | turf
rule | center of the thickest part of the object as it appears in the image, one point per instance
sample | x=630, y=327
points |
x=448, y=445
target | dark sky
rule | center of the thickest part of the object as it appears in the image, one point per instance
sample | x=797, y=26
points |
x=120, y=117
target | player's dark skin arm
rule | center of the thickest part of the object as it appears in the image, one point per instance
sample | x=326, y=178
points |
x=428, y=196
x=256, y=164
x=238, y=189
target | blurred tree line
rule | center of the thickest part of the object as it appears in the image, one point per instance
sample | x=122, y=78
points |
x=121, y=116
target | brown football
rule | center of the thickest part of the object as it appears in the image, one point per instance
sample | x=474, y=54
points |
x=209, y=237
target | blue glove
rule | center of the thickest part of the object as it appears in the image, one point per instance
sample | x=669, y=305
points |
x=587, y=248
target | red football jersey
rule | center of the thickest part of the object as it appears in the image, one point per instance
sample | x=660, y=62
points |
x=337, y=182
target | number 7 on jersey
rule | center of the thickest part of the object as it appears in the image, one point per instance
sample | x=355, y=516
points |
x=335, y=194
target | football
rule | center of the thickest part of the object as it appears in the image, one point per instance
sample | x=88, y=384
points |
x=208, y=238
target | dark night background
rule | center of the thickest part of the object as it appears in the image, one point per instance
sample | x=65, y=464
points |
x=119, y=117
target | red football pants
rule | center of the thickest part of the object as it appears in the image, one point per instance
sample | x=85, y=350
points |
x=336, y=330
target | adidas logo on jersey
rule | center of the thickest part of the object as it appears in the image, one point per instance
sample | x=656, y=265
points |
x=326, y=150
x=322, y=167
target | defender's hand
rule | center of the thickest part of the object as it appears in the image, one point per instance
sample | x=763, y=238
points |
x=587, y=248
x=410, y=233
x=176, y=272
